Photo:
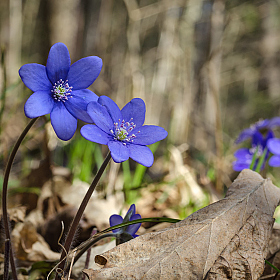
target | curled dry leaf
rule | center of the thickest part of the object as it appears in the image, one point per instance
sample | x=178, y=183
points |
x=30, y=246
x=225, y=240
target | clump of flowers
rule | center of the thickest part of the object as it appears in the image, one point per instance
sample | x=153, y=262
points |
x=129, y=232
x=260, y=135
x=123, y=130
x=60, y=89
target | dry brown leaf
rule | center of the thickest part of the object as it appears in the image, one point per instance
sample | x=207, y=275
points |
x=31, y=246
x=225, y=240
x=273, y=255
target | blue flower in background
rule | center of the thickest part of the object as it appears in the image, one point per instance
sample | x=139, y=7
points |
x=122, y=130
x=274, y=147
x=260, y=134
x=245, y=156
x=257, y=128
x=125, y=233
x=60, y=89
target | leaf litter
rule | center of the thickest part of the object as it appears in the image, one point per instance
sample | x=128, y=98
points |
x=225, y=240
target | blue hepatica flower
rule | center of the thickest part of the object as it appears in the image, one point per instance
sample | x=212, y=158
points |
x=122, y=130
x=125, y=233
x=274, y=147
x=60, y=89
x=256, y=128
x=260, y=134
x=244, y=156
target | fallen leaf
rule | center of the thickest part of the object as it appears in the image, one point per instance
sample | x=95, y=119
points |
x=97, y=211
x=273, y=255
x=80, y=264
x=31, y=246
x=225, y=240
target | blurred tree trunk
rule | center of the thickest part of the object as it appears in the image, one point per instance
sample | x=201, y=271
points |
x=206, y=132
x=64, y=23
x=15, y=39
x=269, y=48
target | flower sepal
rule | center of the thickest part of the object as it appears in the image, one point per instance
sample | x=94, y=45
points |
x=123, y=237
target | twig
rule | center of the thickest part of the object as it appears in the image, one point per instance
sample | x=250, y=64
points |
x=58, y=242
x=71, y=265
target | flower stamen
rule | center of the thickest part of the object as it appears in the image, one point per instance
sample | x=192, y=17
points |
x=61, y=90
x=122, y=131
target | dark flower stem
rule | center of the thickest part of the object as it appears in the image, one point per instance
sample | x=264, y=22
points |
x=6, y=259
x=76, y=220
x=5, y=192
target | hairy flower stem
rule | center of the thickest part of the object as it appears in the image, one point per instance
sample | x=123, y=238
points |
x=77, y=218
x=5, y=192
x=6, y=259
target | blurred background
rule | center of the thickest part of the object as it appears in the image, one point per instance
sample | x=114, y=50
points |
x=206, y=69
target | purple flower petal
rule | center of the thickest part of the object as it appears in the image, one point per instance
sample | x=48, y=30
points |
x=269, y=135
x=249, y=132
x=239, y=166
x=274, y=161
x=38, y=104
x=141, y=154
x=58, y=63
x=132, y=229
x=34, y=76
x=257, y=139
x=274, y=122
x=77, y=104
x=135, y=110
x=115, y=220
x=132, y=209
x=273, y=145
x=111, y=107
x=119, y=152
x=148, y=134
x=64, y=124
x=84, y=72
x=244, y=135
x=86, y=94
x=100, y=116
x=94, y=134
x=261, y=124
x=243, y=153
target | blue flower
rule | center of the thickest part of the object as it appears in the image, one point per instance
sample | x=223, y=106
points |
x=60, y=89
x=274, y=147
x=122, y=130
x=245, y=156
x=259, y=126
x=125, y=233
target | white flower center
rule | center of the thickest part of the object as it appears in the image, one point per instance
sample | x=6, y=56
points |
x=61, y=90
x=122, y=130
x=257, y=149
